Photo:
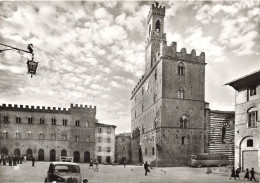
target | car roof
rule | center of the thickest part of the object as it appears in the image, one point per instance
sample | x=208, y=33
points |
x=64, y=163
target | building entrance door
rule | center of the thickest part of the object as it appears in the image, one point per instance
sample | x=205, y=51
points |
x=86, y=157
x=250, y=160
x=52, y=155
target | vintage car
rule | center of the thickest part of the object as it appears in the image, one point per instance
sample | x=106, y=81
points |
x=64, y=172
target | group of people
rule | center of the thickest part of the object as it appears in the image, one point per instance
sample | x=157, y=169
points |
x=91, y=164
x=11, y=160
x=235, y=174
x=14, y=160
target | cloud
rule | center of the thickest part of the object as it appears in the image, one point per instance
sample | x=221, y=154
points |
x=116, y=84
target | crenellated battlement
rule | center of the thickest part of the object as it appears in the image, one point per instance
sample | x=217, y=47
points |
x=156, y=9
x=77, y=106
x=171, y=51
x=43, y=109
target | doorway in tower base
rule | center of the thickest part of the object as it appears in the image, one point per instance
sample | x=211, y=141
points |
x=41, y=155
x=76, y=156
x=86, y=157
x=250, y=160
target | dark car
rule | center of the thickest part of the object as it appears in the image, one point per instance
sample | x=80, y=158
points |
x=64, y=172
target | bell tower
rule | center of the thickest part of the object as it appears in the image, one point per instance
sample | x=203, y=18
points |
x=155, y=27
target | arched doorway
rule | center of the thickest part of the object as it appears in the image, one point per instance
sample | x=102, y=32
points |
x=29, y=154
x=41, y=155
x=76, y=156
x=52, y=155
x=4, y=151
x=86, y=157
x=140, y=155
x=63, y=152
x=17, y=152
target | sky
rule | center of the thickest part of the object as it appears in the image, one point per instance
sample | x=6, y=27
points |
x=92, y=52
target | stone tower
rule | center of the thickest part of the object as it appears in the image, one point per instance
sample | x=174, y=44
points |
x=167, y=104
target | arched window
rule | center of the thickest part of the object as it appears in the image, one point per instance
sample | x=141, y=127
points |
x=30, y=120
x=184, y=121
x=29, y=134
x=53, y=121
x=180, y=93
x=42, y=121
x=17, y=134
x=77, y=123
x=53, y=136
x=18, y=119
x=64, y=136
x=181, y=69
x=182, y=140
x=41, y=135
x=157, y=26
x=5, y=134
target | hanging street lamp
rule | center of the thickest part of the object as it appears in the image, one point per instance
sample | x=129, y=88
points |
x=31, y=64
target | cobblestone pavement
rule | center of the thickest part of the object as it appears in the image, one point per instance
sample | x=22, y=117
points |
x=25, y=173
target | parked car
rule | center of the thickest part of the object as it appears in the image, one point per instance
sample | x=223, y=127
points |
x=64, y=172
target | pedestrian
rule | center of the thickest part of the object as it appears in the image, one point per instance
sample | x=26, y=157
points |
x=246, y=175
x=10, y=160
x=233, y=174
x=14, y=160
x=33, y=160
x=146, y=165
x=124, y=163
x=91, y=164
x=237, y=173
x=4, y=160
x=96, y=169
x=252, y=175
x=24, y=158
x=21, y=159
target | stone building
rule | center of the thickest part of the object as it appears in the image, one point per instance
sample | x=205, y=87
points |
x=105, y=143
x=168, y=102
x=48, y=133
x=247, y=121
x=221, y=133
x=123, y=148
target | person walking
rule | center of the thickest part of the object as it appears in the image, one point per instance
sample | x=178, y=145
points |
x=33, y=161
x=91, y=164
x=14, y=160
x=10, y=160
x=252, y=175
x=233, y=174
x=146, y=165
x=124, y=163
x=21, y=159
x=246, y=175
x=96, y=169
x=237, y=173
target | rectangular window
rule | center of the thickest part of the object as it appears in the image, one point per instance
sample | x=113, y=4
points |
x=155, y=74
x=146, y=151
x=108, y=149
x=153, y=150
x=252, y=91
x=108, y=140
x=250, y=143
x=99, y=149
x=77, y=138
x=182, y=140
x=53, y=121
x=77, y=123
x=252, y=119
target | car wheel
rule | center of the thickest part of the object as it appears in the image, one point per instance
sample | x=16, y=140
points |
x=198, y=165
x=219, y=164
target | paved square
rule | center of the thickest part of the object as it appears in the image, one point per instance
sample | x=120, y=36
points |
x=112, y=174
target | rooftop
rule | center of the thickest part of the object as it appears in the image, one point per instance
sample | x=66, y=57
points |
x=251, y=79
